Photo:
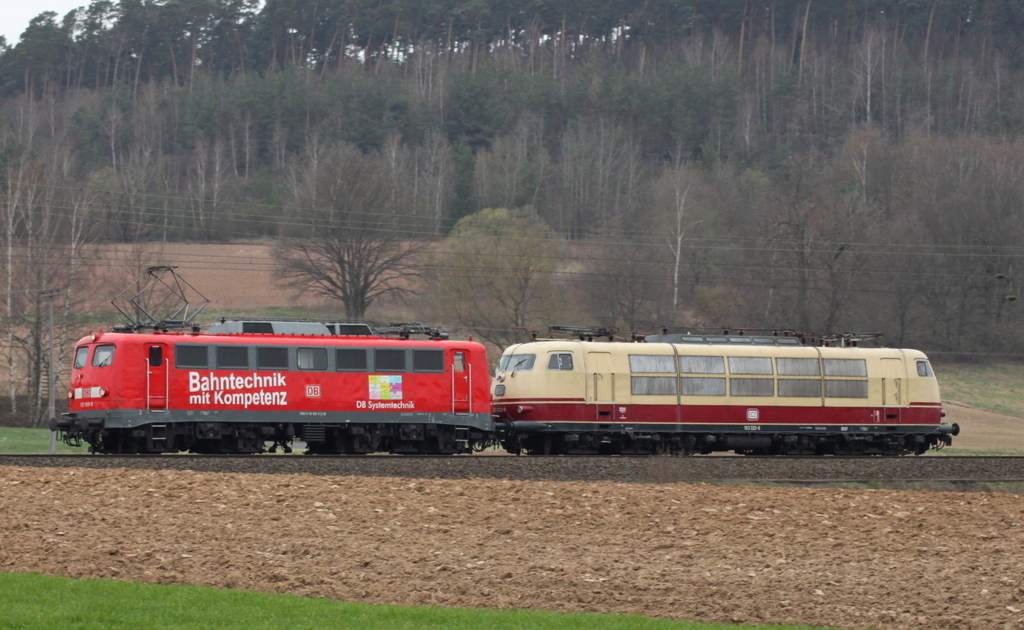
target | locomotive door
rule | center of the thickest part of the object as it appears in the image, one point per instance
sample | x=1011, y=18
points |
x=157, y=376
x=601, y=385
x=892, y=388
x=462, y=383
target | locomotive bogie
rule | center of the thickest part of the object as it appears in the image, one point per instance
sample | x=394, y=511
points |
x=582, y=397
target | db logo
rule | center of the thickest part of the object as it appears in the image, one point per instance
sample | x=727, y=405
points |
x=312, y=391
x=752, y=414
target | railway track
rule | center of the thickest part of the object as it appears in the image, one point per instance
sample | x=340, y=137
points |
x=797, y=470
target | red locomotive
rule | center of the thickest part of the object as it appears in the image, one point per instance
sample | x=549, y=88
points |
x=244, y=383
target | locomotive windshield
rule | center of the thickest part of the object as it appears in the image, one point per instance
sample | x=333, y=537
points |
x=81, y=356
x=517, y=362
x=103, y=356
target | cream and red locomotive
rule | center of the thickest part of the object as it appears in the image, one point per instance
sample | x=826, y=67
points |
x=682, y=394
x=339, y=388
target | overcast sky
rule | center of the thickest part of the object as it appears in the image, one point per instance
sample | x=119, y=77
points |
x=15, y=14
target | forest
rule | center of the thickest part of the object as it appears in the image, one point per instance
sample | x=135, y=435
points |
x=811, y=165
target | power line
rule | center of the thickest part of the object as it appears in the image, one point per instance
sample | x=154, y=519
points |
x=622, y=237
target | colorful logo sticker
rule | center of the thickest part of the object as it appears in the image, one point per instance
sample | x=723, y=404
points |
x=385, y=387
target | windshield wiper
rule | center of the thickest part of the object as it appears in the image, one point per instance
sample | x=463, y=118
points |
x=516, y=366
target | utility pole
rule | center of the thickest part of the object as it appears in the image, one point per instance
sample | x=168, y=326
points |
x=51, y=373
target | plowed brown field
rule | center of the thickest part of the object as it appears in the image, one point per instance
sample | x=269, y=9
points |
x=855, y=559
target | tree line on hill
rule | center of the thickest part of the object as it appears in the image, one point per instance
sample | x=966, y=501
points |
x=781, y=164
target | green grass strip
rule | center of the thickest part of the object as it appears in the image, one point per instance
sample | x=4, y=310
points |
x=993, y=387
x=37, y=602
x=20, y=441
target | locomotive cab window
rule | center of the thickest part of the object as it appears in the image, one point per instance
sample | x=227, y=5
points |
x=232, y=357
x=275, y=358
x=428, y=360
x=311, y=358
x=191, y=356
x=517, y=362
x=81, y=357
x=103, y=356
x=560, y=361
x=350, y=359
x=924, y=369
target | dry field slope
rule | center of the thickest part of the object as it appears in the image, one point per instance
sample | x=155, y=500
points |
x=854, y=559
x=984, y=430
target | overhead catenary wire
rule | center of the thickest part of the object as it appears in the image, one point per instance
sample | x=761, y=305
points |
x=300, y=217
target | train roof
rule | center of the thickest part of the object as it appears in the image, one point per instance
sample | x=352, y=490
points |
x=724, y=339
x=707, y=346
x=289, y=327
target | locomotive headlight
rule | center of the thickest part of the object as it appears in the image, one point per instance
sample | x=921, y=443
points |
x=499, y=390
x=71, y=395
x=103, y=392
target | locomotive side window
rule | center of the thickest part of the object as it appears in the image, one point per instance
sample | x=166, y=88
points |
x=702, y=365
x=460, y=364
x=191, y=356
x=846, y=389
x=750, y=365
x=651, y=363
x=311, y=358
x=752, y=387
x=654, y=385
x=428, y=360
x=846, y=367
x=388, y=360
x=156, y=356
x=81, y=357
x=560, y=361
x=350, y=359
x=232, y=357
x=798, y=367
x=799, y=388
x=103, y=356
x=275, y=358
x=924, y=369
x=702, y=386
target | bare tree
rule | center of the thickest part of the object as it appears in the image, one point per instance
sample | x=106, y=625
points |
x=433, y=175
x=345, y=247
x=44, y=225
